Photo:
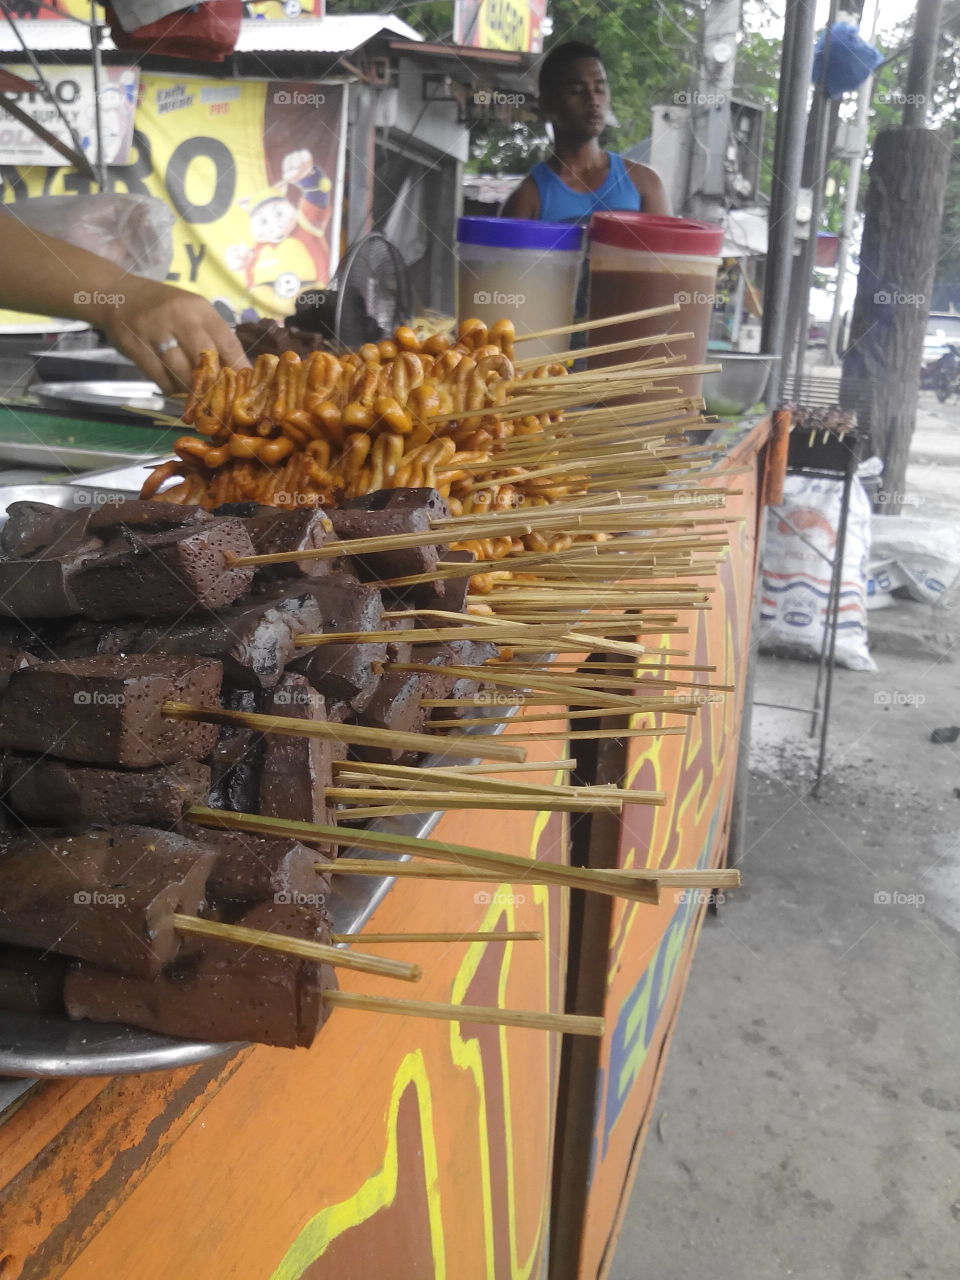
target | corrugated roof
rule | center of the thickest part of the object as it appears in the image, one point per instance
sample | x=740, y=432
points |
x=339, y=33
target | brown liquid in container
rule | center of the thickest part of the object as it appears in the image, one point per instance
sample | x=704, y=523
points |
x=635, y=272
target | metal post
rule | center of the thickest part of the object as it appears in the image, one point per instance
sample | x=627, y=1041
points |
x=795, y=63
x=820, y=113
x=848, y=477
x=100, y=164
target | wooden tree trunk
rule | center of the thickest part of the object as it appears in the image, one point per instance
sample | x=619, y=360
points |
x=901, y=235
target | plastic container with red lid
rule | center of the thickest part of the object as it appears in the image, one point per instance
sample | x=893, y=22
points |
x=640, y=260
x=652, y=233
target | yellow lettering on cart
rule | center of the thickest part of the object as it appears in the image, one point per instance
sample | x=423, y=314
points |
x=380, y=1189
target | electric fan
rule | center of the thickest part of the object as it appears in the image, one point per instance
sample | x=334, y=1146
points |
x=367, y=299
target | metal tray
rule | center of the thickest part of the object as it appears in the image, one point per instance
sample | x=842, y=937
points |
x=82, y=363
x=44, y=1047
x=115, y=398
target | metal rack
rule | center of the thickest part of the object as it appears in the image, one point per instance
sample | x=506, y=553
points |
x=828, y=455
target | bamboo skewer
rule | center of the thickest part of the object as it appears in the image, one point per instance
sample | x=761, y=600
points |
x=628, y=344
x=397, y=773
x=591, y=713
x=465, y=770
x=355, y=735
x=664, y=878
x=407, y=802
x=598, y=733
x=584, y=326
x=488, y=935
x=387, y=842
x=566, y=1023
x=303, y=947
x=544, y=683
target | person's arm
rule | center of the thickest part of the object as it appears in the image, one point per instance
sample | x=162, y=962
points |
x=524, y=202
x=653, y=195
x=161, y=328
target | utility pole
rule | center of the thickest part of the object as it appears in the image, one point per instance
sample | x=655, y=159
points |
x=710, y=112
x=901, y=235
x=816, y=158
x=795, y=64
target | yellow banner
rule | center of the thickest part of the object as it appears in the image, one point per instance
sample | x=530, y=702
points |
x=253, y=171
x=276, y=9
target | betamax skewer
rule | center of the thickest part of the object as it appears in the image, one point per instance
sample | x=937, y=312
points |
x=303, y=947
x=356, y=735
x=387, y=842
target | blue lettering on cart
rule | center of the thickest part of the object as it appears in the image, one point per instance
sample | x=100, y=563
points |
x=640, y=1013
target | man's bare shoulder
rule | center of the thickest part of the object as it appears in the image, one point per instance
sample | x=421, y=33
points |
x=524, y=202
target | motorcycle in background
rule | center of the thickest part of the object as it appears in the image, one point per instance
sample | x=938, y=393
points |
x=943, y=376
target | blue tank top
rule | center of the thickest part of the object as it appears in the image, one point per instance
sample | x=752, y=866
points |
x=560, y=203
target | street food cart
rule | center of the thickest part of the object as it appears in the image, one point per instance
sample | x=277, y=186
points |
x=403, y=1147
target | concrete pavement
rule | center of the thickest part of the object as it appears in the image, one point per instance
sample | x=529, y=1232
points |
x=809, y=1122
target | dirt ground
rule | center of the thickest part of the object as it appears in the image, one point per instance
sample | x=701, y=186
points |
x=809, y=1121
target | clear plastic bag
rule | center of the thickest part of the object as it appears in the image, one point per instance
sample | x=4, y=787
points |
x=134, y=232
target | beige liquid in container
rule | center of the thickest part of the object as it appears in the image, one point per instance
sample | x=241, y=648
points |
x=522, y=271
x=638, y=261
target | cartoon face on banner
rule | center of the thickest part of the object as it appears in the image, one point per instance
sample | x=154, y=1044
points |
x=253, y=171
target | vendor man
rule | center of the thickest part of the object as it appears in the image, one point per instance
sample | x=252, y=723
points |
x=580, y=178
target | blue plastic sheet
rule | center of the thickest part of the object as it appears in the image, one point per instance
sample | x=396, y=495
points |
x=849, y=61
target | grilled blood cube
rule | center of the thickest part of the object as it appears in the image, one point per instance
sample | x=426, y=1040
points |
x=275, y=529
x=378, y=566
x=37, y=527
x=346, y=672
x=136, y=516
x=166, y=574
x=107, y=710
x=41, y=588
x=430, y=500
x=31, y=981
x=237, y=757
x=51, y=792
x=226, y=992
x=253, y=869
x=106, y=896
x=397, y=703
x=13, y=659
x=449, y=594
x=255, y=640
x=296, y=771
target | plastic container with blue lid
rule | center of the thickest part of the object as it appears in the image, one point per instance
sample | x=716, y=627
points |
x=520, y=270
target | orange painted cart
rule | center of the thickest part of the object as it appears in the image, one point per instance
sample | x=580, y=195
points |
x=409, y=1149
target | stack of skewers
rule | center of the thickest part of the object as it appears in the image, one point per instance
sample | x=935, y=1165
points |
x=203, y=698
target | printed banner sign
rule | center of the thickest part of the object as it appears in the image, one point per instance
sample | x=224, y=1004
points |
x=72, y=87
x=260, y=9
x=252, y=169
x=500, y=24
